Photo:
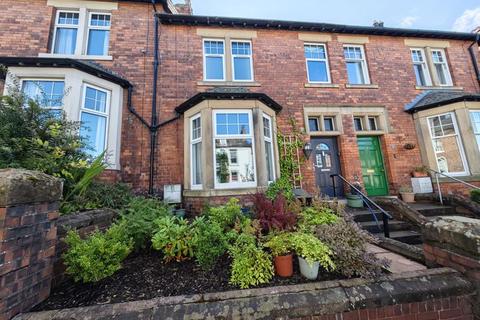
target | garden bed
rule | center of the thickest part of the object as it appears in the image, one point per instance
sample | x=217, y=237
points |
x=145, y=276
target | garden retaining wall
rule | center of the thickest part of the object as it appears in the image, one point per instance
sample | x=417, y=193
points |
x=84, y=223
x=429, y=294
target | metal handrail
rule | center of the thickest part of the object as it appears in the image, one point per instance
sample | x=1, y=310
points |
x=385, y=215
x=437, y=173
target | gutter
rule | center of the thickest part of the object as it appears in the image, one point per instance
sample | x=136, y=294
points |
x=473, y=57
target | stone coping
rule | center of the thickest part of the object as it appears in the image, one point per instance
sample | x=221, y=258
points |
x=311, y=299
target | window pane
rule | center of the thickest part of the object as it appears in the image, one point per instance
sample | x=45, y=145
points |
x=95, y=100
x=241, y=48
x=197, y=163
x=266, y=128
x=353, y=53
x=196, y=129
x=48, y=94
x=244, y=170
x=358, y=124
x=98, y=42
x=214, y=47
x=315, y=52
x=313, y=124
x=355, y=73
x=269, y=160
x=448, y=155
x=420, y=75
x=68, y=18
x=372, y=124
x=65, y=41
x=317, y=71
x=232, y=123
x=242, y=68
x=442, y=78
x=100, y=20
x=214, y=68
x=93, y=130
x=475, y=116
x=328, y=124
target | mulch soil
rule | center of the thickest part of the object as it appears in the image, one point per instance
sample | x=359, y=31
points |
x=146, y=276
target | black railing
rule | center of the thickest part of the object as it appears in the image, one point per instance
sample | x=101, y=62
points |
x=369, y=203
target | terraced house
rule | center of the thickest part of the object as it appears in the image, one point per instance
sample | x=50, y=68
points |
x=179, y=99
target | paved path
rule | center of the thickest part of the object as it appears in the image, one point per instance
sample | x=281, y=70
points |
x=398, y=263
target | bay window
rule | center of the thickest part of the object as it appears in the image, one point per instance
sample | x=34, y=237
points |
x=447, y=145
x=420, y=67
x=242, y=61
x=356, y=64
x=475, y=117
x=65, y=34
x=317, y=63
x=196, y=151
x=214, y=60
x=98, y=34
x=269, y=152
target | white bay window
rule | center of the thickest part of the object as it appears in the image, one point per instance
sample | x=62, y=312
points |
x=196, y=151
x=48, y=93
x=269, y=150
x=475, y=117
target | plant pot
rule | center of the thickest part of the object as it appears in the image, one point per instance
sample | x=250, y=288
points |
x=179, y=213
x=309, y=271
x=284, y=265
x=408, y=197
x=419, y=174
x=354, y=201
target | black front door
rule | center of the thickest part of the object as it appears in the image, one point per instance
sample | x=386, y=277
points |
x=326, y=162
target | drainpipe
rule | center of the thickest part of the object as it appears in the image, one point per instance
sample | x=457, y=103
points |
x=473, y=57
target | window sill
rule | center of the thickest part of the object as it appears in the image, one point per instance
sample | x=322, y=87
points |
x=321, y=85
x=370, y=133
x=324, y=133
x=221, y=192
x=472, y=178
x=438, y=88
x=72, y=56
x=361, y=86
x=228, y=84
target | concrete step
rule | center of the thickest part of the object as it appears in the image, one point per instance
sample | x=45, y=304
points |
x=364, y=215
x=430, y=209
x=407, y=236
x=394, y=225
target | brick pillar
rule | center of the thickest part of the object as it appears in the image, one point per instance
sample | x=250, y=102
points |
x=454, y=242
x=29, y=204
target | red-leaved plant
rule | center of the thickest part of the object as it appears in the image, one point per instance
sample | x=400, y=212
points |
x=273, y=215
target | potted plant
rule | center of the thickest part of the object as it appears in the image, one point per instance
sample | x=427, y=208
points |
x=407, y=194
x=281, y=247
x=312, y=253
x=354, y=199
x=420, y=172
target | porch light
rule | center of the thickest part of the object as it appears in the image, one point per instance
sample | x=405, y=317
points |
x=307, y=150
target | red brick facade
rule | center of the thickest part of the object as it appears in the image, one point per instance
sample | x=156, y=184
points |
x=279, y=69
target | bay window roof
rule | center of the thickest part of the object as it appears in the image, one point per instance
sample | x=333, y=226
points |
x=437, y=98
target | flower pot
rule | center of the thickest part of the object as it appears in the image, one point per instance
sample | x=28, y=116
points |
x=284, y=265
x=408, y=197
x=354, y=201
x=179, y=213
x=419, y=174
x=309, y=271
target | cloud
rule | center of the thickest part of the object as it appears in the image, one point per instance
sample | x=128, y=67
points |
x=408, y=21
x=468, y=21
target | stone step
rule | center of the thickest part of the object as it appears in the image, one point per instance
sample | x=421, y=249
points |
x=364, y=215
x=430, y=209
x=407, y=236
x=394, y=225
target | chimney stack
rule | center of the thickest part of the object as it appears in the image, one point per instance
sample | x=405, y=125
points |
x=378, y=24
x=185, y=7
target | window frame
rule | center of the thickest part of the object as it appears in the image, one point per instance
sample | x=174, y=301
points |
x=90, y=27
x=475, y=133
x=233, y=56
x=375, y=122
x=317, y=120
x=105, y=114
x=332, y=119
x=214, y=55
x=425, y=67
x=251, y=135
x=62, y=108
x=361, y=123
x=66, y=26
x=192, y=143
x=326, y=60
x=446, y=67
x=272, y=149
x=363, y=61
x=458, y=137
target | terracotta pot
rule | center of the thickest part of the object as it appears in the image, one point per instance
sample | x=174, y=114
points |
x=284, y=265
x=408, y=196
x=420, y=174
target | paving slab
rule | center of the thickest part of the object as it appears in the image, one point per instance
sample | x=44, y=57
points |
x=398, y=263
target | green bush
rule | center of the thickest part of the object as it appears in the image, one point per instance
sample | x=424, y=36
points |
x=348, y=243
x=311, y=217
x=251, y=265
x=280, y=244
x=98, y=256
x=139, y=218
x=312, y=250
x=175, y=237
x=281, y=186
x=227, y=215
x=475, y=195
x=210, y=244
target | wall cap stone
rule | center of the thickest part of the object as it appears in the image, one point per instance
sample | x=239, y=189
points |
x=19, y=186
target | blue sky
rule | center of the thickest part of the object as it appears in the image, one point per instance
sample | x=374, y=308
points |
x=459, y=15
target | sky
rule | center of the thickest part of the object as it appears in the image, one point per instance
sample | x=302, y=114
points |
x=455, y=15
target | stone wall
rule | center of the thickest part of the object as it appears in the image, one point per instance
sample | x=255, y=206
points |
x=29, y=203
x=85, y=223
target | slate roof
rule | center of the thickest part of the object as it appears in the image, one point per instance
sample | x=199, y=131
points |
x=436, y=98
x=89, y=67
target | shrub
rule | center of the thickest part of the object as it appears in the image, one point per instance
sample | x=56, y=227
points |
x=312, y=250
x=280, y=244
x=251, y=265
x=475, y=195
x=281, y=186
x=273, y=215
x=140, y=216
x=311, y=217
x=227, y=215
x=210, y=243
x=175, y=237
x=348, y=244
x=98, y=256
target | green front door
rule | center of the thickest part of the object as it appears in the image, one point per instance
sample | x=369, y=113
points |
x=373, y=170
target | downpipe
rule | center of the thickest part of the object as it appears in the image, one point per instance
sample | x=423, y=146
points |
x=473, y=57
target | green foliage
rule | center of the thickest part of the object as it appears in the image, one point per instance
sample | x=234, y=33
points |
x=175, y=237
x=282, y=185
x=223, y=172
x=348, y=244
x=227, y=215
x=98, y=256
x=312, y=250
x=475, y=195
x=251, y=265
x=210, y=244
x=280, y=244
x=140, y=216
x=311, y=217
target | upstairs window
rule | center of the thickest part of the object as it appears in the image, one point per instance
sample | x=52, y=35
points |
x=66, y=30
x=420, y=68
x=48, y=93
x=317, y=63
x=242, y=61
x=214, y=60
x=441, y=67
x=98, y=34
x=322, y=123
x=358, y=123
x=356, y=64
